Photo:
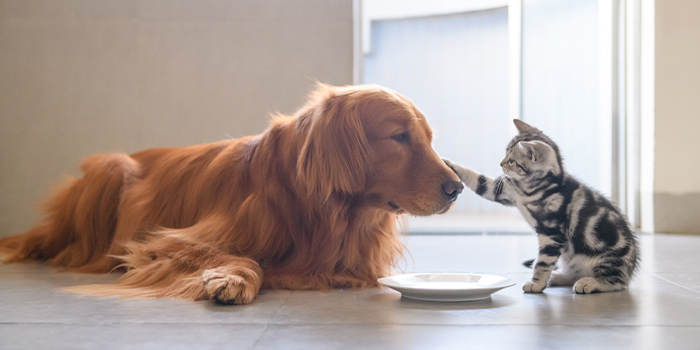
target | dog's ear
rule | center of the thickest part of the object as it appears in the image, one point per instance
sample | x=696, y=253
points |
x=335, y=156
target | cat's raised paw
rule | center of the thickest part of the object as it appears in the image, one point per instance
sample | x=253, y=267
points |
x=532, y=287
x=587, y=285
x=451, y=165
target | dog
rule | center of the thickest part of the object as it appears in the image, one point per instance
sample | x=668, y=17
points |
x=311, y=203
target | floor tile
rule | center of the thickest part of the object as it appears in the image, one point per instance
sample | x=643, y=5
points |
x=129, y=336
x=474, y=254
x=649, y=301
x=658, y=311
x=670, y=253
x=690, y=281
x=34, y=295
x=421, y=337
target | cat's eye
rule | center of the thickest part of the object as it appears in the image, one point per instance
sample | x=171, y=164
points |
x=511, y=162
x=403, y=137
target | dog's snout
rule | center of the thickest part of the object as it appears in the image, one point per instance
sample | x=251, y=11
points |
x=452, y=189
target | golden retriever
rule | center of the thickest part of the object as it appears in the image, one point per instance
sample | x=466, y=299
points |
x=311, y=203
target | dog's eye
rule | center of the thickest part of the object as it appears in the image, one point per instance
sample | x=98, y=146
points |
x=403, y=137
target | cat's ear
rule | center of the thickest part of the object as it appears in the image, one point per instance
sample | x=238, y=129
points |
x=537, y=151
x=524, y=127
x=529, y=150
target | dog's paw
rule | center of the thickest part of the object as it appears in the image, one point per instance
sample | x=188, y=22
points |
x=226, y=288
x=587, y=285
x=534, y=287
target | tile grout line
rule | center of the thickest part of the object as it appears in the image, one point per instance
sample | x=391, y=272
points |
x=675, y=284
x=281, y=305
x=262, y=333
x=268, y=323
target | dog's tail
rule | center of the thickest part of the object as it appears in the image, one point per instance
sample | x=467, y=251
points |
x=10, y=245
x=80, y=218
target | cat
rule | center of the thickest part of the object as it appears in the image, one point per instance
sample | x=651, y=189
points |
x=576, y=226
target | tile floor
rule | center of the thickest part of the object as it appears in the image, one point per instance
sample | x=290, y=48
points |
x=661, y=310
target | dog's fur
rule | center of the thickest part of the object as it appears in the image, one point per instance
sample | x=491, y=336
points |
x=311, y=203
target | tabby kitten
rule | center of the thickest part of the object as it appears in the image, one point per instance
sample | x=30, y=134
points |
x=576, y=226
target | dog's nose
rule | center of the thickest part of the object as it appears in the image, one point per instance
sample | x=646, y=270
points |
x=452, y=189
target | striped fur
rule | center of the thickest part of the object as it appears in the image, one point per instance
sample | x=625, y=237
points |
x=577, y=227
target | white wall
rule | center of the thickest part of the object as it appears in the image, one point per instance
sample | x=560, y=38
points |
x=677, y=116
x=81, y=77
x=677, y=96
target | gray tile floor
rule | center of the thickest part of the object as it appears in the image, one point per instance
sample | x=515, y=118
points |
x=661, y=310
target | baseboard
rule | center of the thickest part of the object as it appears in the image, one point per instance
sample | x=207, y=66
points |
x=677, y=213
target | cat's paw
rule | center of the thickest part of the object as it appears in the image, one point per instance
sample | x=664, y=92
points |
x=461, y=172
x=587, y=285
x=534, y=287
x=450, y=164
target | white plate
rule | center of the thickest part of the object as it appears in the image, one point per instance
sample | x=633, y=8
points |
x=446, y=286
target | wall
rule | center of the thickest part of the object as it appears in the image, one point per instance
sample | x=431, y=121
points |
x=677, y=117
x=81, y=77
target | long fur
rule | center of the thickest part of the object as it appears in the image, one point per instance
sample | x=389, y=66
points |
x=311, y=203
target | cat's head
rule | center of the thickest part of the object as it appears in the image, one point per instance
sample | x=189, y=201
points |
x=531, y=154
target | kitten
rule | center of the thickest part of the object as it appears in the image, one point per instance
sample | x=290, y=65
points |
x=577, y=226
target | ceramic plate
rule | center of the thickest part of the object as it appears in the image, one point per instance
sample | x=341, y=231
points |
x=446, y=286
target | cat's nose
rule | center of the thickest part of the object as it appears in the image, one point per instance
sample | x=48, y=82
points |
x=503, y=163
x=452, y=189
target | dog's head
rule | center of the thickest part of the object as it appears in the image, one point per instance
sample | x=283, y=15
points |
x=371, y=141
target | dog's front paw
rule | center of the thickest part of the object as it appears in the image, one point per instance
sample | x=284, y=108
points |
x=534, y=287
x=227, y=288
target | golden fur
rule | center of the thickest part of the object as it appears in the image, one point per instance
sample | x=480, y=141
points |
x=311, y=203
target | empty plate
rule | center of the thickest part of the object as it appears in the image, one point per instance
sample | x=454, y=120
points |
x=446, y=286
